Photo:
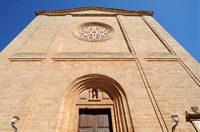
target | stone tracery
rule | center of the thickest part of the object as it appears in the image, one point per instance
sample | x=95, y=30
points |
x=94, y=31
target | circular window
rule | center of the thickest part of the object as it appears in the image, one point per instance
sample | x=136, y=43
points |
x=93, y=31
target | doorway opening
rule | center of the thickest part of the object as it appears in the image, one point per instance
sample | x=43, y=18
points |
x=104, y=99
x=95, y=120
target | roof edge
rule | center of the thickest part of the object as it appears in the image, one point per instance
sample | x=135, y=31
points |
x=114, y=10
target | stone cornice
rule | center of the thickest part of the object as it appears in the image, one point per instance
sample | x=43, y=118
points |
x=112, y=10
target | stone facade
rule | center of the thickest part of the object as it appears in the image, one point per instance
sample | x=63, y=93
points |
x=141, y=74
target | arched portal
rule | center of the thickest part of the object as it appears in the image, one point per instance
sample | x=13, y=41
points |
x=95, y=92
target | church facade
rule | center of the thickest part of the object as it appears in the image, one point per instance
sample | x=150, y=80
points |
x=98, y=70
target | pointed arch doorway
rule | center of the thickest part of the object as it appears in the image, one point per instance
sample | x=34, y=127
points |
x=93, y=103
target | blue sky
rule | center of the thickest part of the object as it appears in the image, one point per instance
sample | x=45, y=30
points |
x=181, y=18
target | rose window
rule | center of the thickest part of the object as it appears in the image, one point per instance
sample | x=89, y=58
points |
x=94, y=31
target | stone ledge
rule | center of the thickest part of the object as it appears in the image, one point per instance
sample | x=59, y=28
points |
x=27, y=57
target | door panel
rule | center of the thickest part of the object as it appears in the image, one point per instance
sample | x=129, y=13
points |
x=103, y=130
x=95, y=120
x=86, y=120
x=102, y=120
x=85, y=130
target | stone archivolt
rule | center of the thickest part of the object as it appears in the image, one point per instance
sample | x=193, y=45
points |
x=113, y=95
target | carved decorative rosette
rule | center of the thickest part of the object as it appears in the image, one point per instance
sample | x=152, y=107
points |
x=93, y=31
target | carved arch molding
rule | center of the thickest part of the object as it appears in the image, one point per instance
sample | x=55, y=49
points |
x=95, y=91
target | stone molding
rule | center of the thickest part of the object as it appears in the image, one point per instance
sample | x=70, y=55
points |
x=117, y=11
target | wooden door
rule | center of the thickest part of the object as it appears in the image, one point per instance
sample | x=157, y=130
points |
x=95, y=120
